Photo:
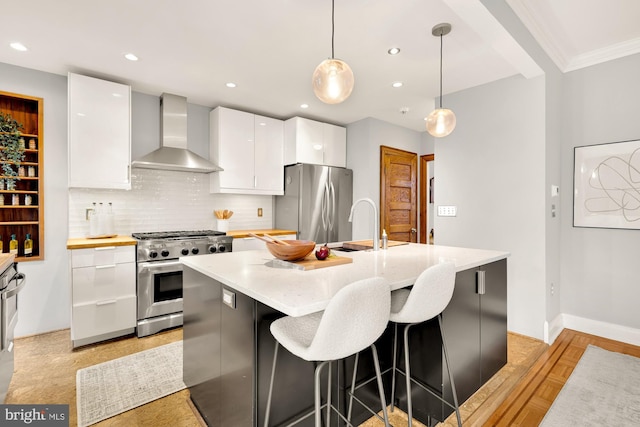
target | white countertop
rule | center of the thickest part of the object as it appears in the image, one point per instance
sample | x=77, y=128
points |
x=297, y=293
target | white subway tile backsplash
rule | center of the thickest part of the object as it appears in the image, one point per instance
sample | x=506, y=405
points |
x=167, y=201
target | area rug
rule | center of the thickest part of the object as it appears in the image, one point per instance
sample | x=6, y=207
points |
x=602, y=390
x=113, y=387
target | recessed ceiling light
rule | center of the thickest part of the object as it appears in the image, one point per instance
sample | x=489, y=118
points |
x=231, y=84
x=131, y=57
x=304, y=105
x=19, y=46
x=397, y=84
x=394, y=51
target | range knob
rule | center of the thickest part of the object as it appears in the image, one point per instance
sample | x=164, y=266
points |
x=222, y=248
x=184, y=251
x=153, y=254
x=195, y=250
x=212, y=249
x=165, y=253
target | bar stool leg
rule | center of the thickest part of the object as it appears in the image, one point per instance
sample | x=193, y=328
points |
x=273, y=373
x=446, y=359
x=329, y=396
x=317, y=396
x=376, y=364
x=407, y=369
x=393, y=374
x=353, y=386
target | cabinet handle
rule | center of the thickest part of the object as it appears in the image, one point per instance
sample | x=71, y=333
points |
x=480, y=282
x=102, y=267
x=107, y=302
x=255, y=181
x=105, y=248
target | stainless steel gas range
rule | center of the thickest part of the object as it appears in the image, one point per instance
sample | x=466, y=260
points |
x=159, y=280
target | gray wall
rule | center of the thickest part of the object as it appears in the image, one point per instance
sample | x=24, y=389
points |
x=364, y=139
x=491, y=168
x=45, y=301
x=600, y=267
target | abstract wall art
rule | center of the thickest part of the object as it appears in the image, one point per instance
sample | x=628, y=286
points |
x=607, y=185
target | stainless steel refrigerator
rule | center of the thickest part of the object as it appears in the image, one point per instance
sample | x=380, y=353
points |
x=316, y=202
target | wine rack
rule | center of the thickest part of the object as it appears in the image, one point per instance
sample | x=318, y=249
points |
x=22, y=205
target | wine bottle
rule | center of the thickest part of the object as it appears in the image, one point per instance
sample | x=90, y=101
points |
x=28, y=246
x=13, y=245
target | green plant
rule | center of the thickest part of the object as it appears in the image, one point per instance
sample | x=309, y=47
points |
x=11, y=148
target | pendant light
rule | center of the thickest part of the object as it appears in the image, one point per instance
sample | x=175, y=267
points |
x=441, y=121
x=333, y=79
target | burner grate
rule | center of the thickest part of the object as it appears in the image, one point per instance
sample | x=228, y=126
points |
x=176, y=234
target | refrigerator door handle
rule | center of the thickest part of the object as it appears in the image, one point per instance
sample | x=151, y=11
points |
x=332, y=216
x=323, y=205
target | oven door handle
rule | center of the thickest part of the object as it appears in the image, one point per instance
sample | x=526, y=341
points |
x=158, y=265
x=22, y=281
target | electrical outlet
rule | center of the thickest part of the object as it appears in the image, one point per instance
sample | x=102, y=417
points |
x=447, y=210
x=259, y=212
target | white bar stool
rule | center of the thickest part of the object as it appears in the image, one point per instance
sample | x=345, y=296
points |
x=354, y=319
x=428, y=298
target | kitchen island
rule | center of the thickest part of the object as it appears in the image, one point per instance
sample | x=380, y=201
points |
x=230, y=300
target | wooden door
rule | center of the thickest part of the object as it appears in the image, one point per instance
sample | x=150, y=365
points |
x=398, y=194
x=425, y=198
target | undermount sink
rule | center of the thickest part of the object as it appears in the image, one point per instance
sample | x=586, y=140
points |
x=343, y=249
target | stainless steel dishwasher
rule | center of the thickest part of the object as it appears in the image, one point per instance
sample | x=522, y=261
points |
x=11, y=283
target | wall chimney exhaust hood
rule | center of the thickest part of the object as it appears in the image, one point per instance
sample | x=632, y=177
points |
x=173, y=153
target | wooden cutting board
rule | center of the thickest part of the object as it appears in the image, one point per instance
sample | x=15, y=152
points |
x=361, y=245
x=310, y=262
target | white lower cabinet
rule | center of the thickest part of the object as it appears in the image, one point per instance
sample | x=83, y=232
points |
x=103, y=293
x=251, y=243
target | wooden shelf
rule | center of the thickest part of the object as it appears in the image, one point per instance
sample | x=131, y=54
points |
x=19, y=222
x=25, y=219
x=23, y=135
x=18, y=192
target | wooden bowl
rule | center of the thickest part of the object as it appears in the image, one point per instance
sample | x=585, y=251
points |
x=296, y=249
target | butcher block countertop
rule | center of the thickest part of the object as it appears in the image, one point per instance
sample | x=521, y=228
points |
x=6, y=260
x=86, y=243
x=241, y=234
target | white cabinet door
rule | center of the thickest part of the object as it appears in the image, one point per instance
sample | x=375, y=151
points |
x=234, y=144
x=249, y=148
x=335, y=145
x=103, y=293
x=303, y=141
x=99, y=141
x=309, y=141
x=269, y=151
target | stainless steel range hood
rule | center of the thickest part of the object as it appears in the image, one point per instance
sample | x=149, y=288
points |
x=173, y=153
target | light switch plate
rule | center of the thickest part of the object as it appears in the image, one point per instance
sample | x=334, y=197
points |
x=447, y=210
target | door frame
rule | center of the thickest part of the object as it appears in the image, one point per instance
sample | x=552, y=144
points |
x=424, y=213
x=384, y=149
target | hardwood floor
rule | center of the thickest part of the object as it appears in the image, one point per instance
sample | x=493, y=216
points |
x=519, y=395
x=534, y=394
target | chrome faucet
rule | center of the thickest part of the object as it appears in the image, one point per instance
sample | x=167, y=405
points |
x=376, y=238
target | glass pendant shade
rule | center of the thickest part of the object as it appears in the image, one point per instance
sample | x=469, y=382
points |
x=332, y=81
x=441, y=122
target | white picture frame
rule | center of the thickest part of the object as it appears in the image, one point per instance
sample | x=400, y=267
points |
x=607, y=185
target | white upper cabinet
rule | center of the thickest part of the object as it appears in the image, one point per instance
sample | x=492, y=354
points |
x=99, y=142
x=250, y=150
x=309, y=141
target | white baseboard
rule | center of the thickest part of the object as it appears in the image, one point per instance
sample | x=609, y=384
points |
x=594, y=327
x=553, y=329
